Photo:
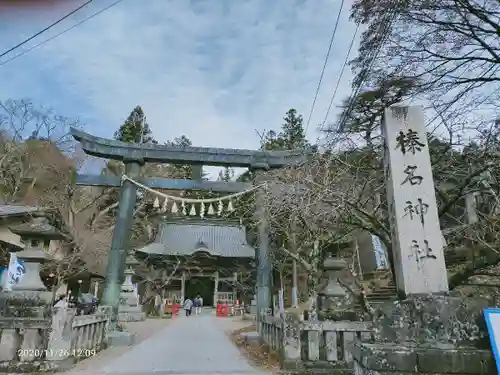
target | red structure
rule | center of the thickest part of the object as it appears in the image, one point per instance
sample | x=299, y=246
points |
x=175, y=309
x=222, y=310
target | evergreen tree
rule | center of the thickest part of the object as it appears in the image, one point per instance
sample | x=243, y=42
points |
x=178, y=170
x=292, y=135
x=226, y=175
x=135, y=129
x=181, y=141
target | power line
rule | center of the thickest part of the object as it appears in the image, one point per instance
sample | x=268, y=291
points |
x=61, y=33
x=364, y=77
x=384, y=26
x=47, y=28
x=324, y=65
x=341, y=74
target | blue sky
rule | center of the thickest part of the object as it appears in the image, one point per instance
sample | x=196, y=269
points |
x=216, y=70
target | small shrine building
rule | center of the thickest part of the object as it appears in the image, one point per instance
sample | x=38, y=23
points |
x=206, y=257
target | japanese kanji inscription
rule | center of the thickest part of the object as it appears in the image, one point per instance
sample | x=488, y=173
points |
x=411, y=177
x=417, y=210
x=421, y=253
x=417, y=241
x=409, y=142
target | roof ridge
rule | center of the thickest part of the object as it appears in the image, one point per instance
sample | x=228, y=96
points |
x=202, y=222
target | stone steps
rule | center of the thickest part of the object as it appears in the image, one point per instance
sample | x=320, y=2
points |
x=377, y=274
x=382, y=294
x=453, y=259
x=376, y=294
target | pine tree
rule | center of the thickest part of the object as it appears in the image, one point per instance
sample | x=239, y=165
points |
x=135, y=129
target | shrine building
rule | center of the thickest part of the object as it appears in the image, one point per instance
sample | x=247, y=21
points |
x=209, y=257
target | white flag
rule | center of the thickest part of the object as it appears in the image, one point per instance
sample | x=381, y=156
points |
x=15, y=272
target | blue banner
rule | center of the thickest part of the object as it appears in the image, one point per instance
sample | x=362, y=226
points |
x=15, y=272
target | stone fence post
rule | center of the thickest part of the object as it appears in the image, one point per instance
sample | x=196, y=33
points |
x=290, y=349
x=60, y=337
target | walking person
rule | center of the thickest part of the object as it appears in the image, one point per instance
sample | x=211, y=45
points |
x=198, y=304
x=188, y=305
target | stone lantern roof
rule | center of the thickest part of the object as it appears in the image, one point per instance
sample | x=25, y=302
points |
x=131, y=261
x=38, y=228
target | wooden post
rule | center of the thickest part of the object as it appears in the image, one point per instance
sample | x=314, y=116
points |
x=471, y=208
x=295, y=297
x=216, y=287
x=235, y=290
x=183, y=286
x=96, y=288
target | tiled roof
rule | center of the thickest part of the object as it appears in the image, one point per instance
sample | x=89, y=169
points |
x=7, y=210
x=186, y=238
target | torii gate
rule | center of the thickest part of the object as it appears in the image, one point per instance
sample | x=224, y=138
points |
x=135, y=155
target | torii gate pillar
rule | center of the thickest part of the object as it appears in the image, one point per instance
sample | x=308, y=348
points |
x=119, y=243
x=262, y=254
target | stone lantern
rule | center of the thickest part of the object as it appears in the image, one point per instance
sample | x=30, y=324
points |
x=130, y=263
x=29, y=300
x=335, y=299
x=129, y=309
x=36, y=236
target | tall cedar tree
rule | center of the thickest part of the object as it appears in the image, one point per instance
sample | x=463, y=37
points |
x=292, y=136
x=134, y=125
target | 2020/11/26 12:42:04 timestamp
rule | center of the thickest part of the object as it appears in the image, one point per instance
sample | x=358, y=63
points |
x=64, y=353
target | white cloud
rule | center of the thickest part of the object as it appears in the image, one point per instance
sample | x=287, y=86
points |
x=215, y=71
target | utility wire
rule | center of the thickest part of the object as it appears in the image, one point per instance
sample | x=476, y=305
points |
x=324, y=65
x=340, y=76
x=385, y=27
x=60, y=33
x=47, y=28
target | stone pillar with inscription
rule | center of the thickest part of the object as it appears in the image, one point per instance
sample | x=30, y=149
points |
x=426, y=331
x=416, y=232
